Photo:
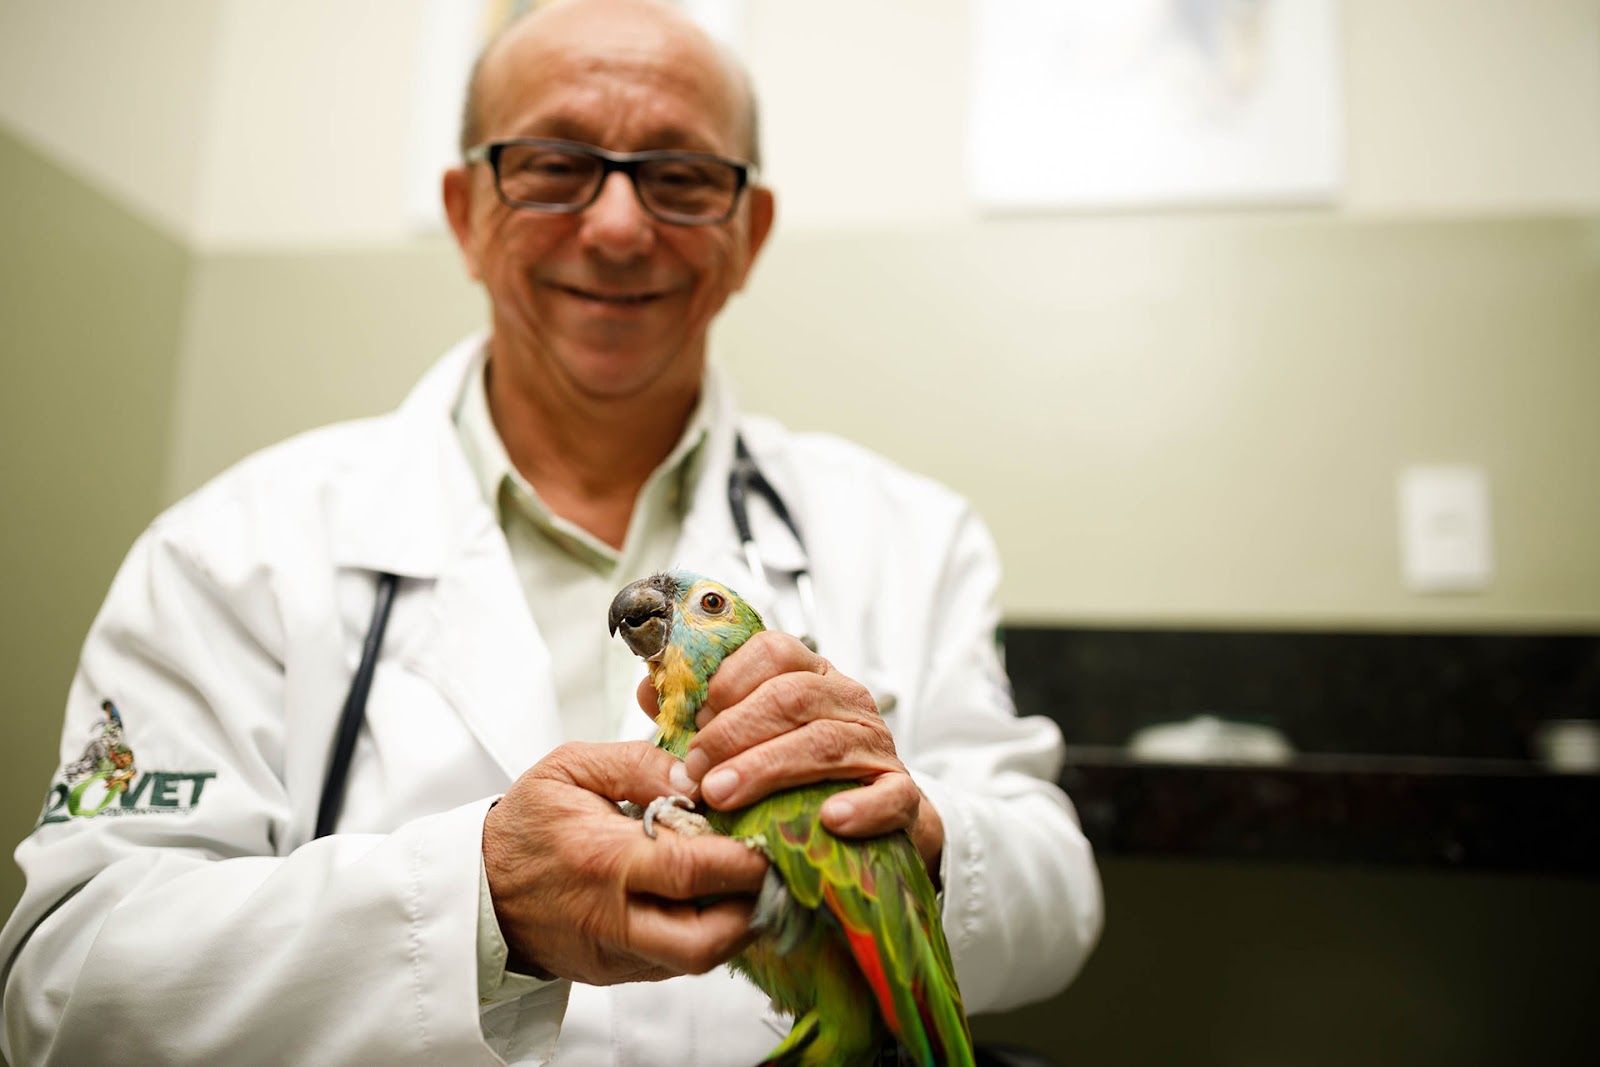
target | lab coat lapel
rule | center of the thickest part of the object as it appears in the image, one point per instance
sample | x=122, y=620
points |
x=418, y=512
x=484, y=654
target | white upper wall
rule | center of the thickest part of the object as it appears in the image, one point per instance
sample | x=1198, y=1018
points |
x=308, y=139
x=245, y=124
x=1473, y=106
x=119, y=93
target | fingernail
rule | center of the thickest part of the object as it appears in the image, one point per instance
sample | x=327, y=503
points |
x=696, y=765
x=839, y=810
x=719, y=784
x=681, y=782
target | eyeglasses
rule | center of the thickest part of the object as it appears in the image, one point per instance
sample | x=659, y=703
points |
x=687, y=188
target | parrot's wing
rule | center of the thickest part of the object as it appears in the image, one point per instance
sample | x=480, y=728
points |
x=880, y=895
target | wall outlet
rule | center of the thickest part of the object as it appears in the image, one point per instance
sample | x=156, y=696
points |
x=1445, y=544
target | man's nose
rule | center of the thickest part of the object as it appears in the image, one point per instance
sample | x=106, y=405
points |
x=616, y=224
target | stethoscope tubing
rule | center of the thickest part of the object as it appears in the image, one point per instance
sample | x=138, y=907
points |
x=744, y=477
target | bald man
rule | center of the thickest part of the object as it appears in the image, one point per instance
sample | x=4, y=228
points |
x=482, y=899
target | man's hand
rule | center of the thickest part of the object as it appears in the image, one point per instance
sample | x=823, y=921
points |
x=778, y=715
x=582, y=893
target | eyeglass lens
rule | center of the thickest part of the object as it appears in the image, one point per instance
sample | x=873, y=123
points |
x=553, y=176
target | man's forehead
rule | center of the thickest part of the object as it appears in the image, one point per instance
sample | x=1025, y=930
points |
x=623, y=38
x=594, y=90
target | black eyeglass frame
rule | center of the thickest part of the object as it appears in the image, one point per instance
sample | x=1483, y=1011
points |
x=627, y=162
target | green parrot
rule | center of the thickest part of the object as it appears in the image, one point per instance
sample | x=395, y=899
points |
x=850, y=940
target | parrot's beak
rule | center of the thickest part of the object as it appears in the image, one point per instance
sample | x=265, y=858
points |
x=643, y=614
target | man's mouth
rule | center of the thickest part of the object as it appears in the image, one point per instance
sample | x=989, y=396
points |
x=614, y=297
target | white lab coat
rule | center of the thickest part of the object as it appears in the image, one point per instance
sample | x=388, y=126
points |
x=193, y=921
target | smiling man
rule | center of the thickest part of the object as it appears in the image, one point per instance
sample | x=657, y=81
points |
x=603, y=289
x=480, y=898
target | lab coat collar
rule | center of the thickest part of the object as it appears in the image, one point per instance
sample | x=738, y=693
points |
x=415, y=506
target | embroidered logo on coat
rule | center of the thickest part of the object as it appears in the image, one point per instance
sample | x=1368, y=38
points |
x=106, y=781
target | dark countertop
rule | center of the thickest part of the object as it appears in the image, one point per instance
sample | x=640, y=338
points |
x=1414, y=749
x=1495, y=815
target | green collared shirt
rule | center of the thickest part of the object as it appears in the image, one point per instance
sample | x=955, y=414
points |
x=568, y=577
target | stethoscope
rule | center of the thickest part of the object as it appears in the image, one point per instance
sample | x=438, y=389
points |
x=744, y=479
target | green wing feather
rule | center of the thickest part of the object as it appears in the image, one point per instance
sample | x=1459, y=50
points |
x=883, y=909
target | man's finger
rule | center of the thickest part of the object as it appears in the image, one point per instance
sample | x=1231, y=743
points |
x=766, y=655
x=686, y=938
x=886, y=804
x=825, y=750
x=649, y=703
x=679, y=868
x=789, y=702
x=628, y=770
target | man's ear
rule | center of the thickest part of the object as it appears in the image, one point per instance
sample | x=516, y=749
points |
x=763, y=211
x=457, y=189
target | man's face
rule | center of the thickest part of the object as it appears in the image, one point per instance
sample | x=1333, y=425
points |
x=609, y=300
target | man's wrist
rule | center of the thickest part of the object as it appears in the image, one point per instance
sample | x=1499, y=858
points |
x=501, y=976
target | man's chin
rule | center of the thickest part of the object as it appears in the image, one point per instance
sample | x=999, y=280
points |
x=612, y=375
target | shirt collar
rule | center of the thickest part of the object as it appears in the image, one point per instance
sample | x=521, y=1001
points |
x=494, y=473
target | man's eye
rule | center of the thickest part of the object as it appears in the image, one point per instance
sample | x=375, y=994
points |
x=681, y=175
x=551, y=166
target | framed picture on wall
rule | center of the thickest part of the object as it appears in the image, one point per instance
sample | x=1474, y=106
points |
x=1081, y=104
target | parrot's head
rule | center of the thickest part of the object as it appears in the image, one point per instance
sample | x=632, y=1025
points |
x=682, y=625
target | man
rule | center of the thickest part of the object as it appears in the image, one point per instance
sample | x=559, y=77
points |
x=580, y=444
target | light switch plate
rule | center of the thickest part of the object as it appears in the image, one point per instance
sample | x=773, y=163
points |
x=1445, y=542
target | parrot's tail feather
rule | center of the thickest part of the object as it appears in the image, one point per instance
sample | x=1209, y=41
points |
x=791, y=1052
x=946, y=1026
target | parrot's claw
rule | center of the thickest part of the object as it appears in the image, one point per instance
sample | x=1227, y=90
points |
x=676, y=813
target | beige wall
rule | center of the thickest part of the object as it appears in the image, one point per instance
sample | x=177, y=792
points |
x=90, y=302
x=1203, y=419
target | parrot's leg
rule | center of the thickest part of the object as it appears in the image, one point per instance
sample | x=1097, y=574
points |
x=675, y=813
x=777, y=918
x=771, y=906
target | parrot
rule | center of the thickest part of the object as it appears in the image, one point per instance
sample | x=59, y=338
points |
x=849, y=940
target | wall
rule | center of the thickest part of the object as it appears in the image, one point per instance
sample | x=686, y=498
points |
x=1203, y=419
x=117, y=94
x=90, y=303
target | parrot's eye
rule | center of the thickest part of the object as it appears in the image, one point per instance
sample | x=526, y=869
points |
x=713, y=602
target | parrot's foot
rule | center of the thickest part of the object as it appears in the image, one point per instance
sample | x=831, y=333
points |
x=676, y=813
